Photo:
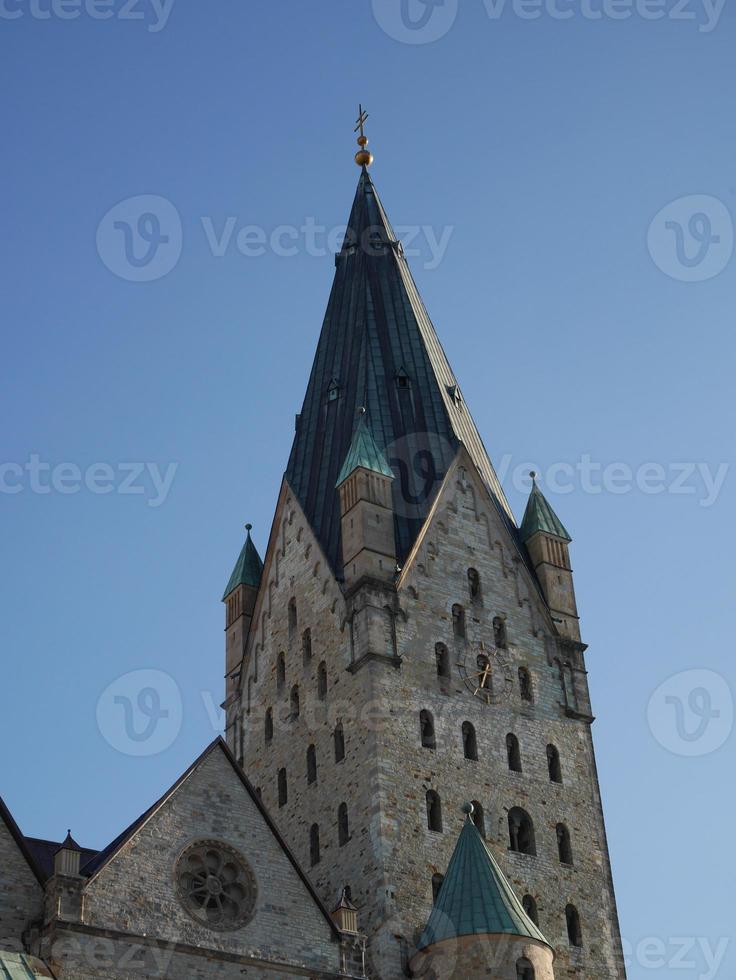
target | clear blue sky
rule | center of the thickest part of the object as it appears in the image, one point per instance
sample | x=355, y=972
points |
x=547, y=148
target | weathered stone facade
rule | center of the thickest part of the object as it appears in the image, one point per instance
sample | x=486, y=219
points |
x=377, y=641
x=21, y=894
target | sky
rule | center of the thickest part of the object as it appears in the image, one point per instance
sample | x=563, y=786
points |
x=174, y=178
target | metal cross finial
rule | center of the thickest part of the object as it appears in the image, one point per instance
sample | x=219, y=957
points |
x=361, y=120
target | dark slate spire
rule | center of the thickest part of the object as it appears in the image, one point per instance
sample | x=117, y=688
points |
x=476, y=898
x=539, y=516
x=248, y=568
x=363, y=453
x=378, y=349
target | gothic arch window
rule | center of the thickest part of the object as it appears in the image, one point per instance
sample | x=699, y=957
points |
x=268, y=726
x=458, y=622
x=553, y=764
x=294, y=702
x=293, y=618
x=434, y=811
x=574, y=932
x=521, y=832
x=474, y=584
x=307, y=647
x=478, y=818
x=339, y=742
x=500, y=638
x=322, y=681
x=564, y=845
x=280, y=672
x=442, y=656
x=311, y=764
x=283, y=788
x=426, y=727
x=525, y=685
x=437, y=882
x=314, y=844
x=530, y=907
x=525, y=970
x=343, y=827
x=513, y=752
x=470, y=742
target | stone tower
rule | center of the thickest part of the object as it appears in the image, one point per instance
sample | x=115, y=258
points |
x=409, y=647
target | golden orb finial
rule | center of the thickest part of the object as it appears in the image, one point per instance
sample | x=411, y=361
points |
x=364, y=157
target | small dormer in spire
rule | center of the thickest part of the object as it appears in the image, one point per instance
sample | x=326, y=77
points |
x=240, y=599
x=366, y=506
x=478, y=922
x=547, y=543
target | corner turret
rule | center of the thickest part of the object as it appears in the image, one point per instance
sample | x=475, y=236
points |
x=240, y=599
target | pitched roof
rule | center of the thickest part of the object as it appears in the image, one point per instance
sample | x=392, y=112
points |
x=248, y=568
x=364, y=453
x=43, y=852
x=18, y=966
x=476, y=898
x=539, y=516
x=15, y=832
x=378, y=349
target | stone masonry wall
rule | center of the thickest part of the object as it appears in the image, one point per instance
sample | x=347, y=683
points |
x=21, y=897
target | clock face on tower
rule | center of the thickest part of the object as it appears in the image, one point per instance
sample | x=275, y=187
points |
x=487, y=673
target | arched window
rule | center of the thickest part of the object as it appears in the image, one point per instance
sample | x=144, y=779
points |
x=525, y=970
x=343, y=828
x=478, y=818
x=339, y=742
x=280, y=672
x=292, y=617
x=311, y=764
x=437, y=881
x=474, y=584
x=564, y=846
x=458, y=622
x=268, y=726
x=283, y=790
x=525, y=685
x=307, y=647
x=513, y=752
x=442, y=657
x=314, y=844
x=574, y=932
x=322, y=681
x=294, y=702
x=434, y=811
x=521, y=832
x=426, y=727
x=553, y=762
x=470, y=742
x=530, y=907
x=499, y=632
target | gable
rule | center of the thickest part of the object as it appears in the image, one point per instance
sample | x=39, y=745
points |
x=21, y=894
x=137, y=890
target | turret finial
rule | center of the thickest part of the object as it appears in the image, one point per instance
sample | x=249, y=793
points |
x=248, y=528
x=364, y=157
x=533, y=475
x=467, y=809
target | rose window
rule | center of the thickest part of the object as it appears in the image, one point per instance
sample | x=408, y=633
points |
x=216, y=885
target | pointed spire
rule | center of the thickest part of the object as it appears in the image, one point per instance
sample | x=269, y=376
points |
x=363, y=452
x=248, y=568
x=476, y=898
x=539, y=516
x=69, y=844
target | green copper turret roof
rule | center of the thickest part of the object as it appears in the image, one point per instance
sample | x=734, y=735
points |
x=248, y=568
x=363, y=453
x=476, y=898
x=539, y=516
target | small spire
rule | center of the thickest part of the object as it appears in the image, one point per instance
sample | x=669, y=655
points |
x=364, y=157
x=248, y=568
x=539, y=516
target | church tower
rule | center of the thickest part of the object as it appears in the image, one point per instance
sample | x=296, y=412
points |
x=406, y=647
